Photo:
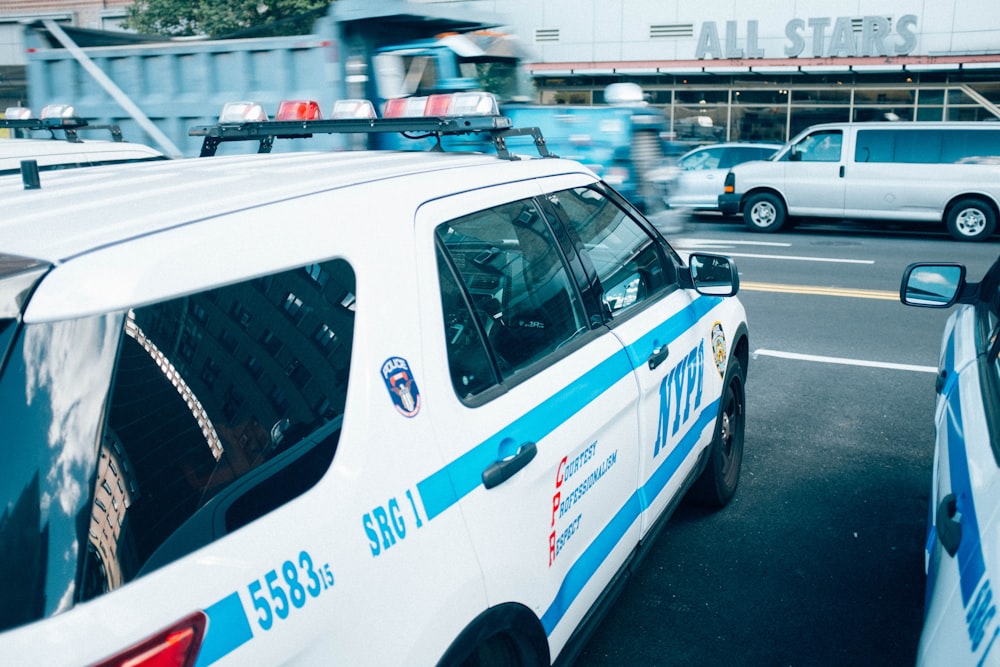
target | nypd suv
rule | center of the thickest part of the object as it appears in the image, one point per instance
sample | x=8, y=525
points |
x=359, y=408
x=962, y=552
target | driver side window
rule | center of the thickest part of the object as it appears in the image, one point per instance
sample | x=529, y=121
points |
x=520, y=304
x=628, y=262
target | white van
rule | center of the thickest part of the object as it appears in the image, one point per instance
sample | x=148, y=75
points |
x=917, y=171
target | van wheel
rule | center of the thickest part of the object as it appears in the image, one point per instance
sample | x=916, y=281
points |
x=971, y=220
x=764, y=212
x=716, y=485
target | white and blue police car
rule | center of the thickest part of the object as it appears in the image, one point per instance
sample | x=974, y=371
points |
x=962, y=554
x=358, y=407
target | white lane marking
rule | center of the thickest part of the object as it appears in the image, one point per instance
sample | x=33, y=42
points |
x=798, y=258
x=843, y=361
x=690, y=245
x=715, y=243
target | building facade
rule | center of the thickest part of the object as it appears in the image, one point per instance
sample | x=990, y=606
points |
x=763, y=70
x=721, y=70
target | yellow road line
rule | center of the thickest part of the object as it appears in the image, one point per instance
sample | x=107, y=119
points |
x=820, y=291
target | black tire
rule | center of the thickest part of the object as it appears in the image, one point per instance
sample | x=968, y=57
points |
x=717, y=483
x=764, y=212
x=971, y=219
x=508, y=635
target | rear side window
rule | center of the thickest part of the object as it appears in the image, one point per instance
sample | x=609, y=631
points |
x=513, y=303
x=144, y=435
x=224, y=406
x=946, y=146
x=740, y=154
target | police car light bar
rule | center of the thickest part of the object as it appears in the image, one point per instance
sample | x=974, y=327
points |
x=53, y=117
x=412, y=117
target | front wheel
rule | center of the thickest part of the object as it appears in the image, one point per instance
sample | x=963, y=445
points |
x=764, y=212
x=971, y=220
x=716, y=485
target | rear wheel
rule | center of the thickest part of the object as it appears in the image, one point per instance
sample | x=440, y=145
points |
x=764, y=212
x=717, y=483
x=508, y=635
x=971, y=220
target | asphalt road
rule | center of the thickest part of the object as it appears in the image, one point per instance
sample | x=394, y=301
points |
x=818, y=560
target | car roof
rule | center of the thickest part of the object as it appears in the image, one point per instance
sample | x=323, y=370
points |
x=107, y=229
x=49, y=153
x=738, y=144
x=28, y=148
x=83, y=209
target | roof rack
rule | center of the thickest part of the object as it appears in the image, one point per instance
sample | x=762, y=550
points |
x=70, y=126
x=498, y=127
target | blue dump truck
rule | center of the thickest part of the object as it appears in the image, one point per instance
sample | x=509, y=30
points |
x=157, y=90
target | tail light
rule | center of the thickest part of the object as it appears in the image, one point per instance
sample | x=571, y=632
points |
x=729, y=185
x=298, y=110
x=176, y=646
x=242, y=112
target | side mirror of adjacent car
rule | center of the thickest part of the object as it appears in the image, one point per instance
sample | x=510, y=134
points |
x=932, y=285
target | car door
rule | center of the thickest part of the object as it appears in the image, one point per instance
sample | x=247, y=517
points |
x=700, y=179
x=815, y=174
x=666, y=332
x=961, y=624
x=534, y=405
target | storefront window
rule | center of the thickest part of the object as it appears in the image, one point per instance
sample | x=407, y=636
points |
x=969, y=113
x=897, y=96
x=764, y=123
x=779, y=96
x=883, y=113
x=822, y=96
x=990, y=91
x=702, y=97
x=803, y=117
x=930, y=113
x=700, y=123
x=930, y=96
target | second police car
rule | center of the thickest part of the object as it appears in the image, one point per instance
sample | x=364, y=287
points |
x=361, y=407
x=962, y=557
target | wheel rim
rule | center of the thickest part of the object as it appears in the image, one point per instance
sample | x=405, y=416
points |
x=763, y=214
x=970, y=222
x=730, y=430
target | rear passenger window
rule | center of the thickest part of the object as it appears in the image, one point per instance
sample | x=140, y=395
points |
x=629, y=263
x=513, y=303
x=224, y=406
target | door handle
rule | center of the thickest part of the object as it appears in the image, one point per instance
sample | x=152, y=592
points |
x=658, y=356
x=500, y=471
x=841, y=171
x=949, y=524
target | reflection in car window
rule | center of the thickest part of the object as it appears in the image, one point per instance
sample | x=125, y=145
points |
x=820, y=147
x=153, y=432
x=704, y=159
x=629, y=263
x=516, y=279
